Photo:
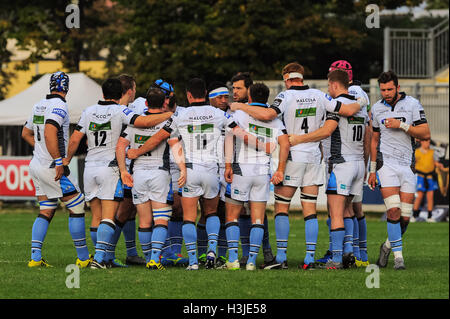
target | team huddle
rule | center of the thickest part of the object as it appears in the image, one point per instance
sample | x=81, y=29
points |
x=151, y=158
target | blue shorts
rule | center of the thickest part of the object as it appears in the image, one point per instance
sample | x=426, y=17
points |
x=426, y=183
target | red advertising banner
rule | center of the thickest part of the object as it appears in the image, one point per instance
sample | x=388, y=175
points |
x=15, y=179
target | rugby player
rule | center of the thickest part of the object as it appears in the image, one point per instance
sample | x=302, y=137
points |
x=346, y=168
x=102, y=124
x=397, y=120
x=248, y=171
x=302, y=110
x=47, y=131
x=151, y=180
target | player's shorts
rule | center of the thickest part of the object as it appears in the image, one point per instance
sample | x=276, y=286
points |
x=102, y=182
x=426, y=183
x=303, y=174
x=152, y=184
x=250, y=188
x=201, y=183
x=395, y=175
x=346, y=178
x=44, y=181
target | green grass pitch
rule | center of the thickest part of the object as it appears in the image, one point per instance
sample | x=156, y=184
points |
x=426, y=252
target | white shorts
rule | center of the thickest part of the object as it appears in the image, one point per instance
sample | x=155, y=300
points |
x=151, y=185
x=346, y=178
x=102, y=182
x=201, y=183
x=44, y=181
x=395, y=175
x=303, y=174
x=250, y=188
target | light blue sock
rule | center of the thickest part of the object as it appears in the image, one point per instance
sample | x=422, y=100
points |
x=266, y=238
x=145, y=239
x=362, y=226
x=245, y=224
x=167, y=247
x=356, y=252
x=202, y=239
x=78, y=233
x=311, y=233
x=129, y=233
x=111, y=248
x=190, y=240
x=38, y=232
x=282, y=228
x=222, y=244
x=158, y=238
x=348, y=238
x=93, y=231
x=212, y=229
x=394, y=234
x=256, y=236
x=176, y=236
x=232, y=232
x=105, y=232
x=337, y=243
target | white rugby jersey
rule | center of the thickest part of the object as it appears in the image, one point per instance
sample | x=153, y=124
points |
x=102, y=123
x=200, y=127
x=157, y=158
x=138, y=106
x=347, y=141
x=356, y=91
x=51, y=110
x=303, y=110
x=395, y=145
x=247, y=161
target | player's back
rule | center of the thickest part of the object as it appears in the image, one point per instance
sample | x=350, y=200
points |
x=52, y=109
x=248, y=160
x=102, y=123
x=158, y=158
x=200, y=127
x=303, y=111
x=347, y=141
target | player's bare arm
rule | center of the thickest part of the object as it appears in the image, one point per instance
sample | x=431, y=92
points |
x=278, y=176
x=262, y=114
x=151, y=120
x=149, y=145
x=325, y=131
x=74, y=142
x=421, y=131
x=252, y=141
x=121, y=147
x=178, y=156
x=28, y=136
x=372, y=181
x=353, y=108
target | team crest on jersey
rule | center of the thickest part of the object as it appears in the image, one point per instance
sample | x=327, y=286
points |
x=59, y=112
x=260, y=130
x=305, y=112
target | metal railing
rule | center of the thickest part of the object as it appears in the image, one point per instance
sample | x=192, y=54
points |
x=416, y=53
